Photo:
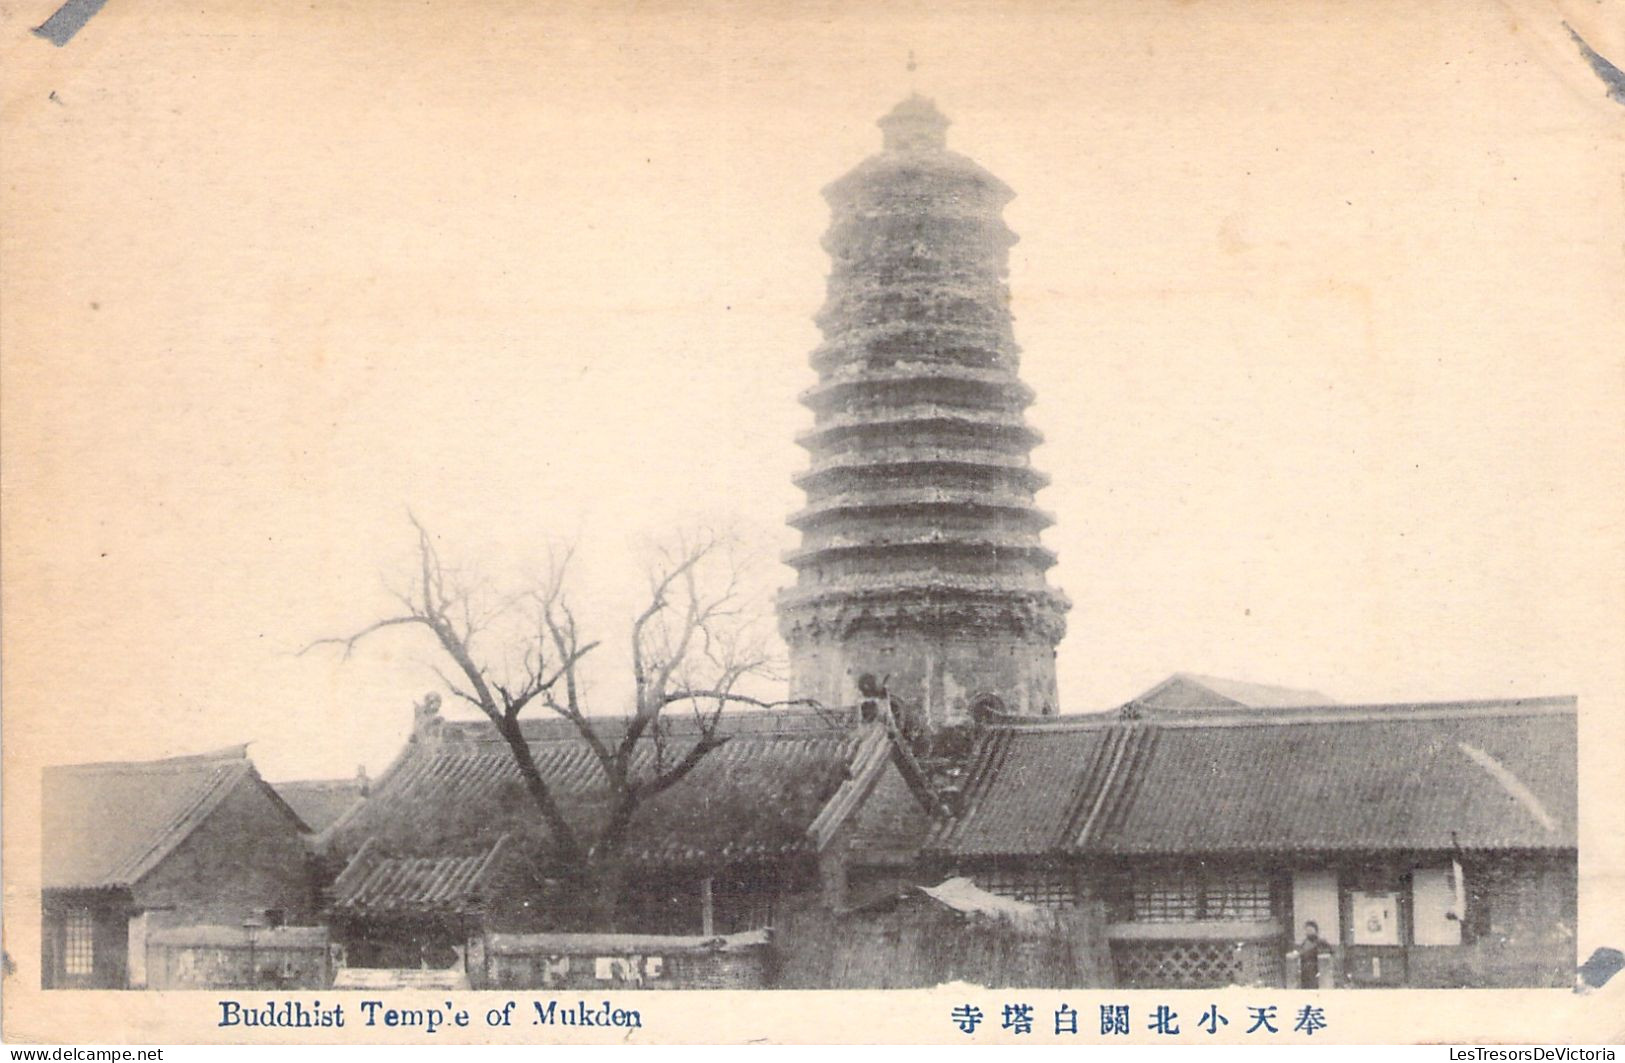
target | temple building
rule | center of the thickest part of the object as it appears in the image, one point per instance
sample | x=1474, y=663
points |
x=929, y=816
x=133, y=849
x=1194, y=834
x=920, y=563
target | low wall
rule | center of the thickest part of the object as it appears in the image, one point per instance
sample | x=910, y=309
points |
x=921, y=944
x=627, y=961
x=1486, y=965
x=1171, y=963
x=219, y=957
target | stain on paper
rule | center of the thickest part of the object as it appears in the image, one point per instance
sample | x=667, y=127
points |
x=69, y=19
x=1611, y=75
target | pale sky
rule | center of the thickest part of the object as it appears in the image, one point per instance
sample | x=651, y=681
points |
x=1323, y=308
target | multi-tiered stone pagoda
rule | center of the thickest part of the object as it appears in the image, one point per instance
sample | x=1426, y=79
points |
x=920, y=563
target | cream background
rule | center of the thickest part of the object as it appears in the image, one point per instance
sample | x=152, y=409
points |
x=1323, y=304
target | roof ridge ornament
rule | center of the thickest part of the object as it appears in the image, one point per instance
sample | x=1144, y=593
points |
x=426, y=718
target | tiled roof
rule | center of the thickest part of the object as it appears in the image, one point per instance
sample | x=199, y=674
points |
x=891, y=825
x=320, y=802
x=1478, y=775
x=106, y=825
x=760, y=794
x=377, y=883
x=868, y=761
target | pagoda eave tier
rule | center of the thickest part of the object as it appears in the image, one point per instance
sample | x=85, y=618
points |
x=921, y=462
x=941, y=381
x=942, y=607
x=994, y=423
x=945, y=501
x=884, y=345
x=913, y=182
x=975, y=298
x=920, y=546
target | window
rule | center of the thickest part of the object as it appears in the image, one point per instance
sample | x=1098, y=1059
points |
x=78, y=945
x=1047, y=889
x=1168, y=900
x=1192, y=898
x=738, y=906
x=1238, y=897
x=743, y=912
x=745, y=899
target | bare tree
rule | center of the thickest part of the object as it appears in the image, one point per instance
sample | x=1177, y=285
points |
x=692, y=645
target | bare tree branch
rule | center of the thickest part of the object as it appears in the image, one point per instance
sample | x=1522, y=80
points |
x=438, y=608
x=743, y=699
x=456, y=690
x=690, y=644
x=690, y=761
x=349, y=643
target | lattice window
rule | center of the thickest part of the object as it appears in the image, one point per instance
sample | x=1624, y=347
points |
x=78, y=943
x=1177, y=964
x=746, y=899
x=1180, y=898
x=1167, y=900
x=1047, y=889
x=738, y=912
x=1238, y=897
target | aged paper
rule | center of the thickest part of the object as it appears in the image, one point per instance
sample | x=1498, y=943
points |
x=1321, y=305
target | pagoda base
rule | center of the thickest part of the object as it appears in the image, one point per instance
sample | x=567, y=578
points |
x=936, y=680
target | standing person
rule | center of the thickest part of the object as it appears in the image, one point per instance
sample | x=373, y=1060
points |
x=1309, y=953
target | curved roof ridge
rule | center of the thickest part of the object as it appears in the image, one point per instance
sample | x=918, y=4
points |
x=1495, y=774
x=1241, y=716
x=551, y=728
x=109, y=825
x=226, y=754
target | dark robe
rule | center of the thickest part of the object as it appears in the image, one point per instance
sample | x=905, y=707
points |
x=1309, y=961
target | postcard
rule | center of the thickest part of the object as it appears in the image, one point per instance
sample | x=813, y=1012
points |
x=1054, y=523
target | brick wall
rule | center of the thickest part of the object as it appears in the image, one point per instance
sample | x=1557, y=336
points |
x=682, y=966
x=208, y=957
x=936, y=678
x=248, y=856
x=920, y=943
x=244, y=859
x=1522, y=933
x=722, y=970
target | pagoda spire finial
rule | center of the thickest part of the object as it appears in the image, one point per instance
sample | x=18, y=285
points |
x=914, y=125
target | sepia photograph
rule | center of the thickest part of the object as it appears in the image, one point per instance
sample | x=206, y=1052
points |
x=1051, y=522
